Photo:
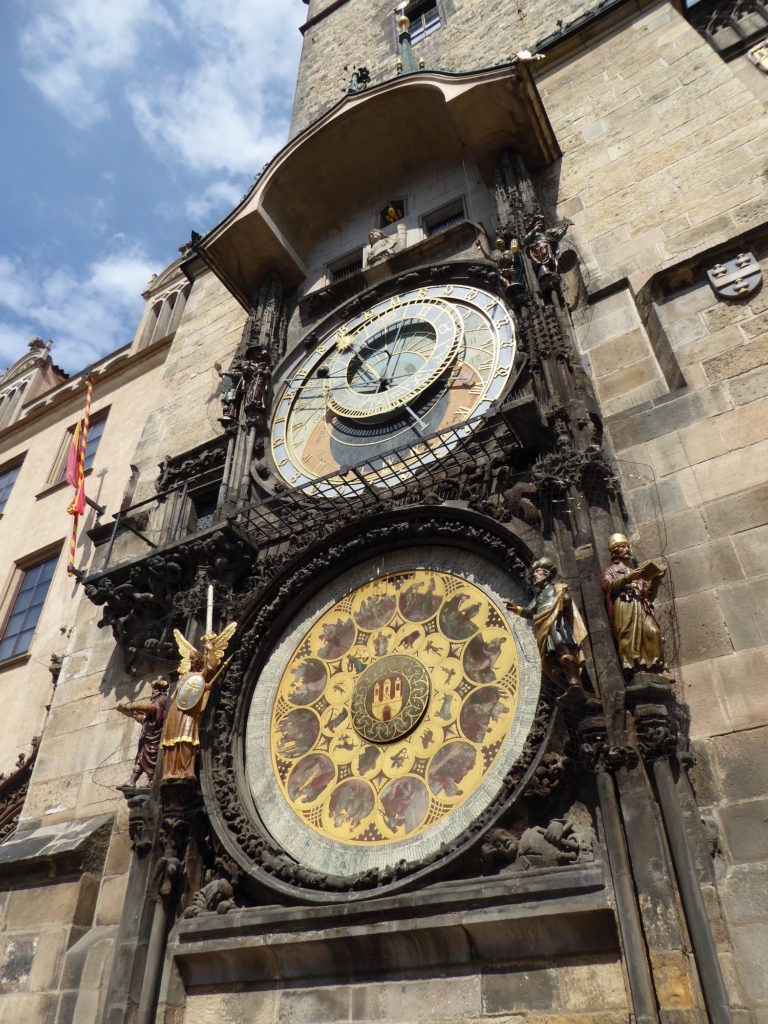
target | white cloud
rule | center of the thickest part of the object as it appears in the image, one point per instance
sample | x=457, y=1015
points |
x=227, y=109
x=87, y=315
x=70, y=49
x=217, y=198
x=207, y=85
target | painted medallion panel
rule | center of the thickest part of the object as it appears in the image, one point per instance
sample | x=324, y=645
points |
x=390, y=714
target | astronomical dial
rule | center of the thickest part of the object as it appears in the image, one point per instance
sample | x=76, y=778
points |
x=391, y=711
x=389, y=378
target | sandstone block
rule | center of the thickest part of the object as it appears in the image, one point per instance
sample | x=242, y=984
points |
x=744, y=894
x=592, y=986
x=701, y=441
x=739, y=360
x=617, y=383
x=700, y=687
x=703, y=632
x=109, y=906
x=42, y=905
x=620, y=352
x=520, y=988
x=746, y=830
x=678, y=411
x=749, y=387
x=729, y=473
x=746, y=612
x=744, y=426
x=749, y=944
x=742, y=765
x=701, y=567
x=741, y=687
x=683, y=530
x=737, y=512
x=671, y=975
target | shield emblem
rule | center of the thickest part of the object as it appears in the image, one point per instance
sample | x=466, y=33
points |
x=387, y=698
x=190, y=692
x=736, y=278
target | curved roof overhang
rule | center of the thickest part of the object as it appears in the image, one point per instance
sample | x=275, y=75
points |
x=360, y=146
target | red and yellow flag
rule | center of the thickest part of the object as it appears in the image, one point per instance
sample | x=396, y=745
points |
x=75, y=474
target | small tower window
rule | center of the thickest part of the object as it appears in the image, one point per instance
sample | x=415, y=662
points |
x=425, y=19
x=443, y=218
x=392, y=212
x=346, y=266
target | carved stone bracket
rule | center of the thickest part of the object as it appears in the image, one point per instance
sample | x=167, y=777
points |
x=652, y=702
x=181, y=815
x=200, y=462
x=145, y=600
x=141, y=818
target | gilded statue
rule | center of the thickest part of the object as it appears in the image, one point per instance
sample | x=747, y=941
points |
x=629, y=591
x=559, y=627
x=150, y=713
x=198, y=671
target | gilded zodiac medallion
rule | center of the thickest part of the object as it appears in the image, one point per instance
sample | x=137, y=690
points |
x=394, y=707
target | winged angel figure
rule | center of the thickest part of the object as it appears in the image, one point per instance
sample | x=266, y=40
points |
x=198, y=670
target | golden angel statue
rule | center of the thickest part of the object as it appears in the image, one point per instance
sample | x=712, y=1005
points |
x=198, y=670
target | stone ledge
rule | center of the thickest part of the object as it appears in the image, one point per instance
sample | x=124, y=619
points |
x=55, y=849
x=428, y=931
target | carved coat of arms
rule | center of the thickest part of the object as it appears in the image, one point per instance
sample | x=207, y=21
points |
x=736, y=278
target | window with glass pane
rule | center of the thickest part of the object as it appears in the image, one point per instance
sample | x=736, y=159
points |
x=21, y=624
x=425, y=19
x=7, y=480
x=95, y=430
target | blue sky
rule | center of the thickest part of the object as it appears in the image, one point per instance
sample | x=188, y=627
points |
x=125, y=124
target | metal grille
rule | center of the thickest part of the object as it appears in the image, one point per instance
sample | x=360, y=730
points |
x=438, y=465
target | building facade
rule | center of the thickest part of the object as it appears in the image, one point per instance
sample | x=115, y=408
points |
x=493, y=317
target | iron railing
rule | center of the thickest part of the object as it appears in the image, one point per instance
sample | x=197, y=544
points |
x=438, y=464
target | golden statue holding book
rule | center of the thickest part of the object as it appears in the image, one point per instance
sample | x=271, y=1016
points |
x=629, y=591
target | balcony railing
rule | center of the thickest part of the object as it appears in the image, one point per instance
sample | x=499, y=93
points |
x=438, y=465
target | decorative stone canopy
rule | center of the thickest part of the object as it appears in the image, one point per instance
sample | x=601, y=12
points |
x=365, y=141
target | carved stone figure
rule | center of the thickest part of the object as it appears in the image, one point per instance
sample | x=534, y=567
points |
x=541, y=243
x=381, y=246
x=559, y=628
x=214, y=897
x=257, y=382
x=566, y=840
x=232, y=398
x=150, y=713
x=629, y=591
x=198, y=671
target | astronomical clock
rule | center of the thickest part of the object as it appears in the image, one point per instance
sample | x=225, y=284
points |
x=393, y=375
x=384, y=697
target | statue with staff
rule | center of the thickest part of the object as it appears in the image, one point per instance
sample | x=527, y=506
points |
x=150, y=712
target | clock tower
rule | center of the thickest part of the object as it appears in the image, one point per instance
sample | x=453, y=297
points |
x=436, y=761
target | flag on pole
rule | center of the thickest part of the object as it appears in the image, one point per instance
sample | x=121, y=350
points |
x=75, y=473
x=74, y=456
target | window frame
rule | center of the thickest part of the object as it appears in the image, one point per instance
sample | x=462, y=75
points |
x=59, y=467
x=419, y=9
x=13, y=464
x=19, y=574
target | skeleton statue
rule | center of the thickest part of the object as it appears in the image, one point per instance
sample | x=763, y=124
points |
x=542, y=243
